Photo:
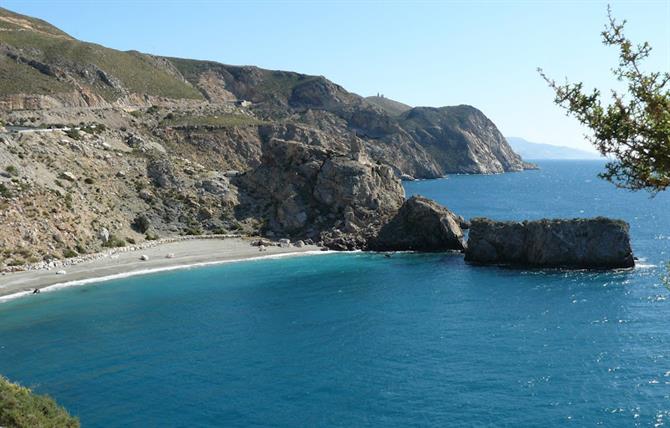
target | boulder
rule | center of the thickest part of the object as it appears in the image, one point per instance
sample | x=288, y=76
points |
x=420, y=225
x=216, y=187
x=341, y=241
x=103, y=234
x=161, y=173
x=598, y=243
x=67, y=176
x=138, y=143
x=146, y=195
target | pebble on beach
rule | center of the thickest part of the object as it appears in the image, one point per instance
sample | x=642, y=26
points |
x=144, y=257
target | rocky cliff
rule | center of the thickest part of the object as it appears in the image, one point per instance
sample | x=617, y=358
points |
x=421, y=142
x=302, y=190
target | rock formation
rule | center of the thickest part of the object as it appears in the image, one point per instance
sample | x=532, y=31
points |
x=599, y=243
x=302, y=190
x=420, y=225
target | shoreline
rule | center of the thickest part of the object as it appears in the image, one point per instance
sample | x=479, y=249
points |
x=188, y=254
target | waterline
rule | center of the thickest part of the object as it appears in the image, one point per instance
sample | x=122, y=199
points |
x=122, y=275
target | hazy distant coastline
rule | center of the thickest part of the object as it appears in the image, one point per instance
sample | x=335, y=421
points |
x=538, y=151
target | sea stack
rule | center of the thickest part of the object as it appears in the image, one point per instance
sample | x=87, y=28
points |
x=597, y=243
x=421, y=225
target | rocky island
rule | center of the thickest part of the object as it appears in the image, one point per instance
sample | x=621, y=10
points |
x=579, y=243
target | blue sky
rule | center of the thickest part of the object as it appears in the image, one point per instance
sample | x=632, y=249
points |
x=483, y=53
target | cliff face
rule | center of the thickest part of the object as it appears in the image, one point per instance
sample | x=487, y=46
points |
x=461, y=139
x=302, y=190
x=422, y=142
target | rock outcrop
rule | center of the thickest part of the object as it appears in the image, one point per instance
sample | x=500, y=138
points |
x=461, y=139
x=420, y=225
x=598, y=243
x=303, y=190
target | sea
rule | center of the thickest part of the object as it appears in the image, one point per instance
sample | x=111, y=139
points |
x=360, y=339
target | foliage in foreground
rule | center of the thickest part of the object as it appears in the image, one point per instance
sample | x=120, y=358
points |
x=634, y=127
x=20, y=407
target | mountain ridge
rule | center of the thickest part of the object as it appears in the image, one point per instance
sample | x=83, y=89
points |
x=78, y=74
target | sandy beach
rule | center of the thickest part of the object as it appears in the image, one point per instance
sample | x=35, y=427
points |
x=186, y=253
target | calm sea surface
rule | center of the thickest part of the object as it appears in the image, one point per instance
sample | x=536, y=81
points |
x=363, y=340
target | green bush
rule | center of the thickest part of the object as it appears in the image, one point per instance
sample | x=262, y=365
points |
x=141, y=223
x=114, y=242
x=69, y=253
x=73, y=133
x=12, y=170
x=68, y=201
x=193, y=230
x=20, y=407
x=4, y=191
x=94, y=128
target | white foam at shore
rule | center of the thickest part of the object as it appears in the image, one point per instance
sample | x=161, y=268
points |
x=644, y=266
x=94, y=280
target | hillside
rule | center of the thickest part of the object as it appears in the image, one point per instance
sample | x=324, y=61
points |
x=537, y=151
x=21, y=408
x=393, y=108
x=104, y=148
x=39, y=59
x=44, y=68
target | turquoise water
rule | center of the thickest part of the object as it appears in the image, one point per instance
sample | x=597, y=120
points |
x=364, y=340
